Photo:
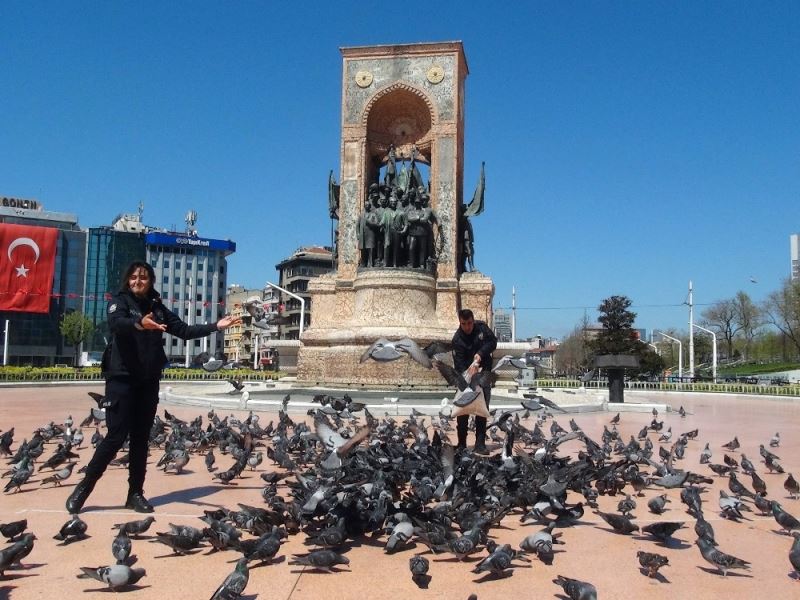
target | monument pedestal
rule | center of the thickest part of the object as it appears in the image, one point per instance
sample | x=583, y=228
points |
x=349, y=315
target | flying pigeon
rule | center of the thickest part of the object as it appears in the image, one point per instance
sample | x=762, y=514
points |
x=383, y=350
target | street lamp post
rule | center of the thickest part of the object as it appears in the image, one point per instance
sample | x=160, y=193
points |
x=302, y=305
x=680, y=351
x=713, y=350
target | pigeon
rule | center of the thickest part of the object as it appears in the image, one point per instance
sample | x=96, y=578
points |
x=733, y=444
x=58, y=476
x=333, y=441
x=323, y=560
x=658, y=504
x=383, y=350
x=791, y=486
x=210, y=459
x=575, y=589
x=419, y=565
x=704, y=530
x=234, y=583
x=723, y=562
x=72, y=531
x=498, y=562
x=237, y=384
x=14, y=553
x=507, y=359
x=652, y=562
x=135, y=528
x=121, y=548
x=13, y=529
x=537, y=402
x=212, y=365
x=662, y=530
x=620, y=523
x=794, y=554
x=115, y=576
x=627, y=505
x=775, y=440
x=787, y=522
x=180, y=542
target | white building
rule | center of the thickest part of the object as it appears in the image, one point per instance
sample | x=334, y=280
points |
x=191, y=276
x=794, y=254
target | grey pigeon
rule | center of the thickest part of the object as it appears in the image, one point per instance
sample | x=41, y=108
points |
x=662, y=530
x=115, y=576
x=135, y=528
x=419, y=565
x=576, y=589
x=658, y=504
x=787, y=522
x=383, y=350
x=234, y=583
x=651, y=562
x=619, y=523
x=791, y=486
x=13, y=529
x=324, y=560
x=723, y=562
x=121, y=548
x=794, y=554
x=72, y=531
x=60, y=475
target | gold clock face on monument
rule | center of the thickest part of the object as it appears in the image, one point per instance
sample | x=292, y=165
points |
x=435, y=74
x=363, y=79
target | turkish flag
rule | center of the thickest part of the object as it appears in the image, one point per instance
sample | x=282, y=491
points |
x=27, y=262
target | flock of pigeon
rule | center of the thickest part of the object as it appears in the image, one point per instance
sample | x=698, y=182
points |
x=344, y=476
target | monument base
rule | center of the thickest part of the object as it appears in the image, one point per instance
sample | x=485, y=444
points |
x=349, y=315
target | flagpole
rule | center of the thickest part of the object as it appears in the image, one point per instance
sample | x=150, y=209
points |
x=5, y=343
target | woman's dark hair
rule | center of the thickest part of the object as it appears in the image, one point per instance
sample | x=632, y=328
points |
x=132, y=268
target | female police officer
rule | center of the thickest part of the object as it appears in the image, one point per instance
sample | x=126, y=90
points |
x=132, y=368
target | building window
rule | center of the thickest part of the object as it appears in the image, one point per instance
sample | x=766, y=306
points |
x=166, y=278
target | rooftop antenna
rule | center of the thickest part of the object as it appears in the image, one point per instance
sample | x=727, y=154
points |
x=141, y=209
x=191, y=219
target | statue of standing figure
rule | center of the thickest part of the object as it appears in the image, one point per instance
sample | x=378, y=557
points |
x=368, y=227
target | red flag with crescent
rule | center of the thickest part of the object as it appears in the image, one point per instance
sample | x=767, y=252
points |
x=27, y=262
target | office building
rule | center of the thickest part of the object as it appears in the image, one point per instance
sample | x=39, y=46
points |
x=191, y=275
x=294, y=274
x=502, y=325
x=34, y=338
x=109, y=252
x=794, y=255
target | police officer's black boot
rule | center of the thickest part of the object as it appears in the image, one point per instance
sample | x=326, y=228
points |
x=480, y=436
x=136, y=501
x=79, y=495
x=462, y=425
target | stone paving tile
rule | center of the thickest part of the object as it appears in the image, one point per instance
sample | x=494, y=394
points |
x=591, y=552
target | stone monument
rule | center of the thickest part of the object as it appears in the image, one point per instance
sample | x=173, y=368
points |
x=400, y=239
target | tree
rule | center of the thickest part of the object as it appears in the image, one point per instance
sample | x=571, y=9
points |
x=572, y=355
x=617, y=335
x=76, y=328
x=720, y=317
x=749, y=319
x=782, y=309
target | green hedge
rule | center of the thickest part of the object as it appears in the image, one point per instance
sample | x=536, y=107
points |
x=93, y=374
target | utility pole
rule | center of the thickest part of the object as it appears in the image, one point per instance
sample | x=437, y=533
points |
x=513, y=314
x=690, y=302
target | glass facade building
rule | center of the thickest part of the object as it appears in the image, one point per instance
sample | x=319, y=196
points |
x=35, y=339
x=109, y=253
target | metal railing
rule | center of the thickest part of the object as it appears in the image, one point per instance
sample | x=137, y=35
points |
x=666, y=386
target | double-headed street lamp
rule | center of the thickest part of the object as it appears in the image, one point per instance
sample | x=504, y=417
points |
x=680, y=351
x=713, y=350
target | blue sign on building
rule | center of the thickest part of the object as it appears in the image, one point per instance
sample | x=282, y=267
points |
x=170, y=239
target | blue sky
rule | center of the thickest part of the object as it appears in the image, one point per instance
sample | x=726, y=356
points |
x=629, y=146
